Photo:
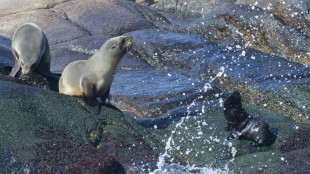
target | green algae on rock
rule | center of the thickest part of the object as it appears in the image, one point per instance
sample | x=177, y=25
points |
x=29, y=112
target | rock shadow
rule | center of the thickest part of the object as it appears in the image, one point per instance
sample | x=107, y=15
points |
x=34, y=79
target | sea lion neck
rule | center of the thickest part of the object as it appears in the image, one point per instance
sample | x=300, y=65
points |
x=101, y=64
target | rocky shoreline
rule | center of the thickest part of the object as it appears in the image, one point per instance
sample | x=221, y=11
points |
x=185, y=56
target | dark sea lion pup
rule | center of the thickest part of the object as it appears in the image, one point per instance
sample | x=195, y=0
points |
x=31, y=51
x=93, y=77
x=242, y=125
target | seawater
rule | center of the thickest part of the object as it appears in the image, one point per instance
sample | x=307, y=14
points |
x=171, y=168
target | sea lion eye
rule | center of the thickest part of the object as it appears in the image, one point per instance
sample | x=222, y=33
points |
x=113, y=46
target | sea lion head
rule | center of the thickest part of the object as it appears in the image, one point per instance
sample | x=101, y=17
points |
x=118, y=46
x=233, y=99
x=28, y=66
x=27, y=45
x=234, y=113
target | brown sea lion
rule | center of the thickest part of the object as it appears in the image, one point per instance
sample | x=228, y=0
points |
x=31, y=51
x=242, y=125
x=93, y=77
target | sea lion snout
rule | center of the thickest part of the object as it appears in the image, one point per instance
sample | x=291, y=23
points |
x=128, y=42
x=25, y=71
x=125, y=43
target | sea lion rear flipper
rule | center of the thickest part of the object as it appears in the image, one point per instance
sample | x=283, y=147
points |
x=233, y=136
x=106, y=100
x=107, y=103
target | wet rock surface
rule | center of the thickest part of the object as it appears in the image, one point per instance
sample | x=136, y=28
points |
x=190, y=8
x=291, y=13
x=60, y=153
x=296, y=146
x=262, y=71
x=69, y=138
x=151, y=101
x=253, y=27
x=185, y=55
x=5, y=52
x=159, y=48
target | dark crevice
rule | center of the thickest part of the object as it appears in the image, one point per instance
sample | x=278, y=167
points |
x=78, y=25
x=146, y=16
x=68, y=40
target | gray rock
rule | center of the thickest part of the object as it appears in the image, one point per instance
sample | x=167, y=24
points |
x=148, y=93
x=160, y=47
x=6, y=55
x=188, y=7
x=57, y=29
x=110, y=18
x=162, y=76
x=291, y=12
x=261, y=71
x=252, y=27
x=10, y=7
x=174, y=115
x=145, y=2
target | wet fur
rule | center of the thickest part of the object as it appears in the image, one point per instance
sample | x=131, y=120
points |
x=242, y=125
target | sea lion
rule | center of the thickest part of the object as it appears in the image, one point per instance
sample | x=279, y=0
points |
x=242, y=125
x=93, y=77
x=31, y=51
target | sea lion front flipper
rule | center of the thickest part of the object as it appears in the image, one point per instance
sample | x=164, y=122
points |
x=15, y=69
x=95, y=109
x=228, y=127
x=89, y=98
x=16, y=66
x=233, y=136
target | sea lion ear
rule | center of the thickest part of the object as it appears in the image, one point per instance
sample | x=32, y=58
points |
x=113, y=46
